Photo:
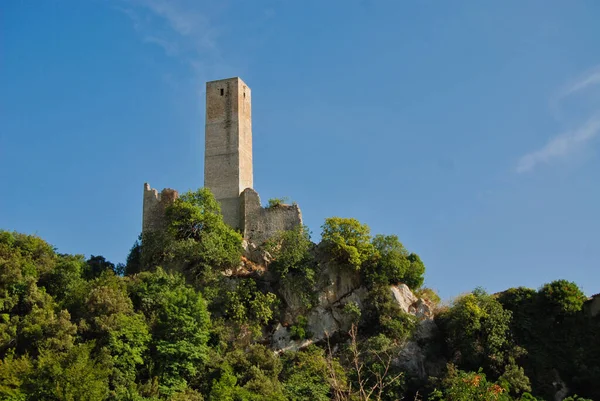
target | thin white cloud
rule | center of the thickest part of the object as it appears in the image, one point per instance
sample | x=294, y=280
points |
x=184, y=18
x=560, y=146
x=576, y=88
x=563, y=145
x=588, y=80
x=170, y=48
x=181, y=28
x=192, y=32
x=180, y=20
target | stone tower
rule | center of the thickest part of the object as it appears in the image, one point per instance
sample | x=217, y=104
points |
x=228, y=170
x=228, y=144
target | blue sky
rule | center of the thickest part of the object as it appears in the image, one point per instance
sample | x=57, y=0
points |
x=470, y=129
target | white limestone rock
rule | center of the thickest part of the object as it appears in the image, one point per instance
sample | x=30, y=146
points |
x=403, y=297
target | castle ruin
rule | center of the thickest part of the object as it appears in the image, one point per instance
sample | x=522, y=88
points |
x=228, y=169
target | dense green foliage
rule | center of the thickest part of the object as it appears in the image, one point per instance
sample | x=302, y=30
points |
x=293, y=263
x=382, y=259
x=197, y=242
x=308, y=375
x=477, y=332
x=391, y=263
x=249, y=307
x=179, y=324
x=348, y=241
x=459, y=385
x=175, y=324
x=290, y=251
x=560, y=338
x=525, y=339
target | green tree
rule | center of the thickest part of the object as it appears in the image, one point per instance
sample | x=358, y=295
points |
x=348, y=241
x=13, y=372
x=116, y=329
x=197, y=241
x=414, y=275
x=249, y=307
x=293, y=263
x=459, y=385
x=24, y=256
x=523, y=303
x=514, y=379
x=558, y=336
x=23, y=259
x=95, y=266
x=290, y=252
x=250, y=374
x=74, y=375
x=383, y=315
x=373, y=373
x=307, y=377
x=477, y=332
x=563, y=297
x=391, y=263
x=299, y=331
x=225, y=388
x=64, y=282
x=179, y=326
x=32, y=322
x=187, y=395
x=136, y=262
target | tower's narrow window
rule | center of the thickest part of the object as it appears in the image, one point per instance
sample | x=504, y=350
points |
x=221, y=91
x=244, y=95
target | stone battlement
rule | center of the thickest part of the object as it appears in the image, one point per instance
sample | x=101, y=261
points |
x=260, y=223
x=155, y=203
x=257, y=223
x=592, y=306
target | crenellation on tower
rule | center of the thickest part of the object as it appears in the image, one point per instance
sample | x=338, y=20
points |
x=155, y=203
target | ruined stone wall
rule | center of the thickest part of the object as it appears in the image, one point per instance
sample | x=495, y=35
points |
x=155, y=203
x=259, y=223
x=593, y=305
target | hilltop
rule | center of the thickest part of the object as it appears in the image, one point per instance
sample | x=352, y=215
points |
x=200, y=313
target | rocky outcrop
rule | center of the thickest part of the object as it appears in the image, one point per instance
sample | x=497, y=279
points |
x=559, y=386
x=412, y=358
x=409, y=303
x=403, y=297
x=335, y=287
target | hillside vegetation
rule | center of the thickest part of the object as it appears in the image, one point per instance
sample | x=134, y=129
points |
x=191, y=314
